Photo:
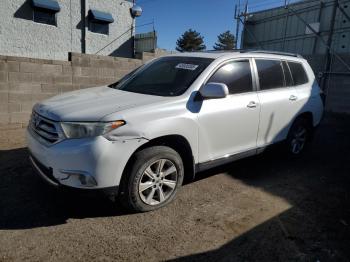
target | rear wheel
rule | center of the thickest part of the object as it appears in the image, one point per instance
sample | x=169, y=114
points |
x=299, y=136
x=153, y=179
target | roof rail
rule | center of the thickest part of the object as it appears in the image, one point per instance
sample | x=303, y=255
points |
x=254, y=51
x=270, y=52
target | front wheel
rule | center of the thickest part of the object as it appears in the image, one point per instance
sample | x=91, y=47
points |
x=153, y=179
x=298, y=137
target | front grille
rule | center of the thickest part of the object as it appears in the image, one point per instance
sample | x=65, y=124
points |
x=47, y=130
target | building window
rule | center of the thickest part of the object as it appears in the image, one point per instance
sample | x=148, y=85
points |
x=99, y=28
x=99, y=21
x=44, y=11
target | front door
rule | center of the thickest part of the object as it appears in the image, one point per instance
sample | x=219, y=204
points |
x=229, y=126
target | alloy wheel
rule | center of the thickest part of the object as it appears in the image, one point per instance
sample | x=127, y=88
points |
x=298, y=140
x=158, y=182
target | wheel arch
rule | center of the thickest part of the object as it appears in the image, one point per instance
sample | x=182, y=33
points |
x=177, y=142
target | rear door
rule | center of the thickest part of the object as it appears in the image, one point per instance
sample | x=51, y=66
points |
x=278, y=99
x=229, y=126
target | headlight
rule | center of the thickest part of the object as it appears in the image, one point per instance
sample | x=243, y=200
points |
x=81, y=130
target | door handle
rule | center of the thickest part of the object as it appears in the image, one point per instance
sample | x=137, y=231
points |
x=252, y=104
x=293, y=98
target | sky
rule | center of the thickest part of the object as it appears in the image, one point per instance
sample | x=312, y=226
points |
x=208, y=17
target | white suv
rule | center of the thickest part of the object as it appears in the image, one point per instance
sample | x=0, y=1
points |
x=177, y=115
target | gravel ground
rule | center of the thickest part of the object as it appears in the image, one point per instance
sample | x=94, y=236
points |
x=265, y=208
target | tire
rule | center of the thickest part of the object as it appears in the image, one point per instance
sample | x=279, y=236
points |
x=145, y=187
x=298, y=137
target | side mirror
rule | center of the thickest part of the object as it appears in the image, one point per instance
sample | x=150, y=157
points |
x=214, y=90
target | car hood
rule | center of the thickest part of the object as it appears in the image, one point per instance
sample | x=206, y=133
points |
x=92, y=104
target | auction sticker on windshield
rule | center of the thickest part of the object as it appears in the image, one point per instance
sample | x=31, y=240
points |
x=187, y=66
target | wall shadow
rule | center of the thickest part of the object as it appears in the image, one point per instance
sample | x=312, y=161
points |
x=25, y=11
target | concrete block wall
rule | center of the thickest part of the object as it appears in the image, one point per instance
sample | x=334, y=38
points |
x=26, y=81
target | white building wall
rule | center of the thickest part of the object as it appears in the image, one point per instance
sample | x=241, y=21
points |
x=21, y=36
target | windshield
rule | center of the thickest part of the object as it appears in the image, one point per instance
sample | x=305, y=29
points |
x=166, y=76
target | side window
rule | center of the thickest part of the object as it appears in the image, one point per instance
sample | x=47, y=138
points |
x=298, y=73
x=270, y=73
x=236, y=75
x=287, y=74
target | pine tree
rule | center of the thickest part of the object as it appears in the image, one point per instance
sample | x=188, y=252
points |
x=226, y=41
x=190, y=41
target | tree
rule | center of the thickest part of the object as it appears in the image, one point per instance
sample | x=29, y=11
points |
x=226, y=41
x=191, y=40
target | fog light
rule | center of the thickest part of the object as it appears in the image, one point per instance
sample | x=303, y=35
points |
x=84, y=178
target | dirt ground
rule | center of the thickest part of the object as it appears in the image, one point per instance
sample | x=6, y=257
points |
x=265, y=208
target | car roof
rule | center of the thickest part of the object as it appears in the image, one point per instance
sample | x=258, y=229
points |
x=241, y=53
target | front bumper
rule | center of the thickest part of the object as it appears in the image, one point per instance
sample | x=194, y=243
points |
x=88, y=163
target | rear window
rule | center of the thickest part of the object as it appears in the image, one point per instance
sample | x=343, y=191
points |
x=270, y=74
x=298, y=73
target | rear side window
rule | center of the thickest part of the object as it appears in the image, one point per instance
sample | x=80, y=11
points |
x=236, y=75
x=287, y=74
x=270, y=74
x=298, y=73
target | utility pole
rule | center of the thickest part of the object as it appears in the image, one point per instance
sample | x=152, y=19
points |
x=244, y=21
x=132, y=32
x=237, y=10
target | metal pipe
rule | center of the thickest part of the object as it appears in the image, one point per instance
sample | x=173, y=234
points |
x=329, y=43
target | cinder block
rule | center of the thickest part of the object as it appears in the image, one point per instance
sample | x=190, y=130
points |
x=66, y=88
x=40, y=97
x=4, y=87
x=83, y=80
x=4, y=96
x=14, y=107
x=20, y=77
x=49, y=88
x=19, y=97
x=3, y=66
x=42, y=78
x=27, y=106
x=89, y=71
x=67, y=70
x=4, y=108
x=52, y=69
x=25, y=87
x=62, y=79
x=3, y=76
x=4, y=118
x=20, y=117
x=106, y=72
x=76, y=70
x=13, y=66
x=61, y=62
x=18, y=59
x=28, y=67
x=8, y=126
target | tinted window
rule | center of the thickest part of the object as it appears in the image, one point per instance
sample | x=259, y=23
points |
x=167, y=76
x=287, y=75
x=236, y=75
x=270, y=74
x=298, y=73
x=44, y=16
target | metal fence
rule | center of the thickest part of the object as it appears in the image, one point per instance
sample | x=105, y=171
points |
x=146, y=42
